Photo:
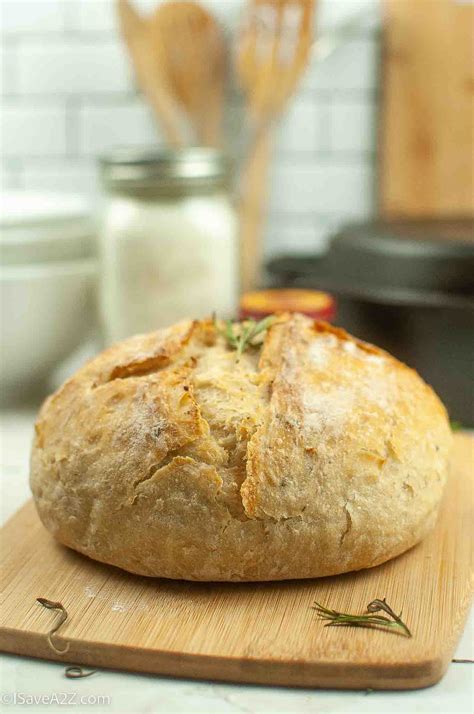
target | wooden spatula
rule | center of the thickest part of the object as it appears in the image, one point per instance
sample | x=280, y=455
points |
x=149, y=72
x=273, y=51
x=194, y=56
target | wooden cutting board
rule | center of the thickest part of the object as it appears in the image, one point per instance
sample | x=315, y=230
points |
x=251, y=632
x=427, y=109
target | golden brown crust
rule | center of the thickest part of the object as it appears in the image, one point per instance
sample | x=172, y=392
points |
x=315, y=455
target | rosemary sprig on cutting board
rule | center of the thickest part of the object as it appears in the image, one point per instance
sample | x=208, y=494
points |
x=369, y=619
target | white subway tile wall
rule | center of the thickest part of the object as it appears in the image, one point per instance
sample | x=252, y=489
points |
x=30, y=16
x=68, y=95
x=31, y=130
x=74, y=176
x=71, y=66
x=126, y=122
x=353, y=126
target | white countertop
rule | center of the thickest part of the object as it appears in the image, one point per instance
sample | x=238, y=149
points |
x=123, y=692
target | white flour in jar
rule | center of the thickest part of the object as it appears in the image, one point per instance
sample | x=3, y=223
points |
x=168, y=243
x=167, y=260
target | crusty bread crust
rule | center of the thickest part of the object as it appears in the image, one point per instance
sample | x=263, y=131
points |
x=313, y=455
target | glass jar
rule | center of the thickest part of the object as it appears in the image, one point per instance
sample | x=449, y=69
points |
x=168, y=242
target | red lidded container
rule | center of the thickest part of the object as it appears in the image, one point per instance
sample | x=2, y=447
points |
x=313, y=303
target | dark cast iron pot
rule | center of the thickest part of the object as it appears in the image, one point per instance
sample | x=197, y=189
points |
x=408, y=287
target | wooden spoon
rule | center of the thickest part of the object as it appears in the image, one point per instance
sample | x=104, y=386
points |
x=150, y=75
x=194, y=57
x=273, y=51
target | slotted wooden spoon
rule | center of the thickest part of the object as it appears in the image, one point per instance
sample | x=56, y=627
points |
x=273, y=51
x=149, y=72
x=194, y=56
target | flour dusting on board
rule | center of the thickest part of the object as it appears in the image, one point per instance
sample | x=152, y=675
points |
x=116, y=605
x=119, y=607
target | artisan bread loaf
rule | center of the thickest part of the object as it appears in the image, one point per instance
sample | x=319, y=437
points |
x=312, y=454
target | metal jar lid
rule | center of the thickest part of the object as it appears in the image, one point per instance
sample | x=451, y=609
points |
x=164, y=170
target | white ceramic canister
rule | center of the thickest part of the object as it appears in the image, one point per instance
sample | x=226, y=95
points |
x=168, y=241
x=47, y=286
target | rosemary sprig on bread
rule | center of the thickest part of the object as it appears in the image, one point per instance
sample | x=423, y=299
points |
x=241, y=337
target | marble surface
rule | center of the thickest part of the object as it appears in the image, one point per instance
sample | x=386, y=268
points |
x=38, y=685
